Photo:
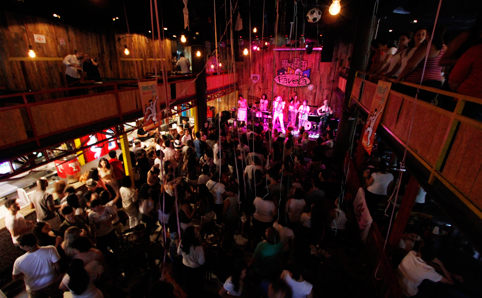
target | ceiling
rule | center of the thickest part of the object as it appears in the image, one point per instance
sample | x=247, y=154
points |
x=456, y=15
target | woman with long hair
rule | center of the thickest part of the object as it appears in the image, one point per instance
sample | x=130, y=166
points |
x=233, y=286
x=78, y=282
x=129, y=198
x=192, y=259
x=45, y=235
x=106, y=173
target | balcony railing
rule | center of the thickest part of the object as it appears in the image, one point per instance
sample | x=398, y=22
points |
x=446, y=143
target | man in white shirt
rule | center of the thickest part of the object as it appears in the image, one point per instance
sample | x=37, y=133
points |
x=300, y=287
x=38, y=268
x=43, y=203
x=186, y=136
x=218, y=190
x=170, y=153
x=72, y=67
x=413, y=270
x=15, y=222
x=184, y=64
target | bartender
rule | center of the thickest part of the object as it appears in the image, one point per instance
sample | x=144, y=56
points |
x=144, y=135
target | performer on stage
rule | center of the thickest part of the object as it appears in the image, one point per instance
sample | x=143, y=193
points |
x=263, y=103
x=279, y=106
x=303, y=112
x=324, y=111
x=242, y=109
x=293, y=110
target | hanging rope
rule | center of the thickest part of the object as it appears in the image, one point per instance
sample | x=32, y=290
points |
x=129, y=33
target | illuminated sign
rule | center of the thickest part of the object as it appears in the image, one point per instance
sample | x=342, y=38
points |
x=294, y=74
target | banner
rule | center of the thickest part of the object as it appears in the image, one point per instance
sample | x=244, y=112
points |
x=70, y=167
x=378, y=104
x=150, y=103
x=96, y=151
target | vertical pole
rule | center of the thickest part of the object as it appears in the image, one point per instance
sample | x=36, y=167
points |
x=403, y=214
x=80, y=154
x=216, y=39
x=194, y=114
x=126, y=156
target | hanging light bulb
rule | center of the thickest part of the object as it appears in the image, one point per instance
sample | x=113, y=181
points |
x=335, y=7
x=212, y=65
x=126, y=50
x=31, y=52
x=245, y=52
x=255, y=30
x=220, y=64
x=198, y=54
x=183, y=38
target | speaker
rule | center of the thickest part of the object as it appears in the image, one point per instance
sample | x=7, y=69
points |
x=328, y=49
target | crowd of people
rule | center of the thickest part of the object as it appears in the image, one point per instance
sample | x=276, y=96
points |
x=263, y=194
x=453, y=67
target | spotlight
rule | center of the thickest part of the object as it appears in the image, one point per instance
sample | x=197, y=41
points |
x=183, y=38
x=31, y=52
x=415, y=21
x=255, y=48
x=56, y=16
x=150, y=31
x=174, y=36
x=245, y=52
x=126, y=50
x=390, y=30
x=335, y=7
x=198, y=54
x=266, y=43
x=212, y=65
x=165, y=28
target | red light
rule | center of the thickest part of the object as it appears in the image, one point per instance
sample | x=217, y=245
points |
x=301, y=34
x=240, y=37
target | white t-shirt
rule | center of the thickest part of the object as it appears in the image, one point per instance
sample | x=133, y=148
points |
x=194, y=259
x=229, y=286
x=412, y=271
x=91, y=292
x=286, y=234
x=251, y=169
x=37, y=268
x=13, y=222
x=203, y=179
x=299, y=289
x=264, y=210
x=103, y=226
x=217, y=189
x=128, y=196
x=185, y=138
x=380, y=183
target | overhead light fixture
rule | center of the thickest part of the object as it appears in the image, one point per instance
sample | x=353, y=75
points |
x=56, y=16
x=183, y=38
x=255, y=30
x=197, y=33
x=198, y=54
x=266, y=43
x=212, y=65
x=245, y=52
x=415, y=21
x=174, y=36
x=220, y=64
x=113, y=19
x=400, y=10
x=165, y=28
x=335, y=7
x=126, y=50
x=116, y=18
x=390, y=30
x=31, y=52
x=150, y=31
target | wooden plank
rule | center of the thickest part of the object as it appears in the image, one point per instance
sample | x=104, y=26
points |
x=15, y=132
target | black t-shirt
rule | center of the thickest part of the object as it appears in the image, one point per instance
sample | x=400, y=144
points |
x=133, y=158
x=91, y=70
x=318, y=151
x=140, y=132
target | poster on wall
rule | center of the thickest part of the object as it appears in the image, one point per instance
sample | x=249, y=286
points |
x=39, y=38
x=150, y=104
x=376, y=111
x=255, y=78
x=293, y=74
x=69, y=167
x=101, y=149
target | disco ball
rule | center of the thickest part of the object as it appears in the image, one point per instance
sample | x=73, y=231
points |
x=314, y=15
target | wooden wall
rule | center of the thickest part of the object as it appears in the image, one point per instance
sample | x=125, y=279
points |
x=46, y=71
x=324, y=75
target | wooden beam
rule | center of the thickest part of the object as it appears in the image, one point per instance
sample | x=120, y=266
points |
x=35, y=59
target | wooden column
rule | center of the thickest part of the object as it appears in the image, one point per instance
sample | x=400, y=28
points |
x=360, y=154
x=400, y=222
